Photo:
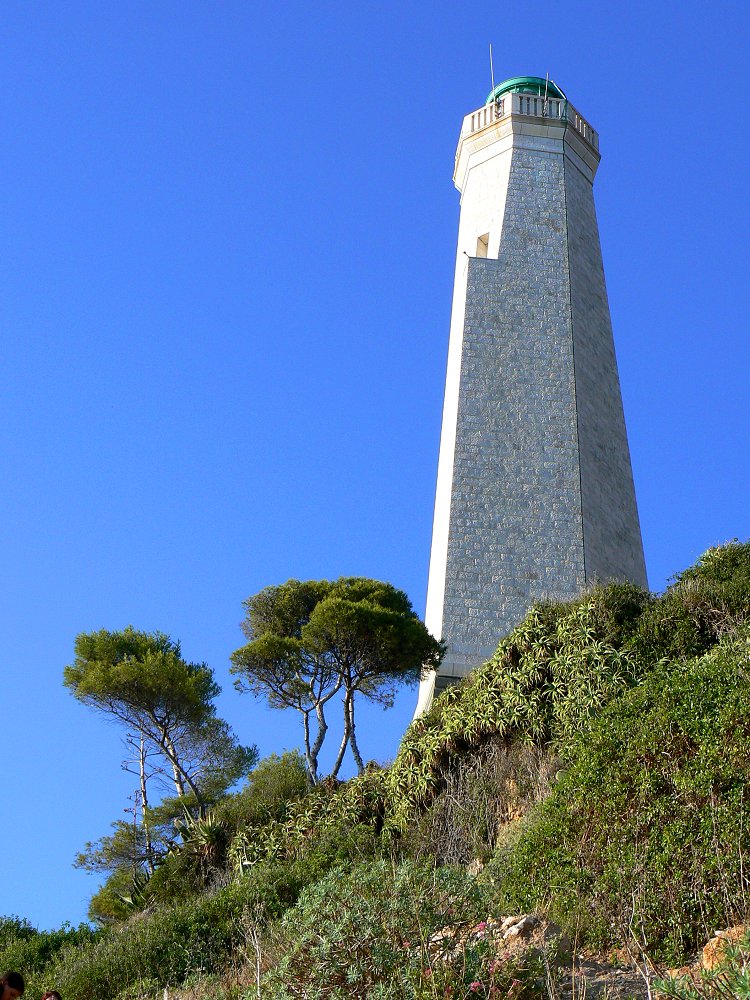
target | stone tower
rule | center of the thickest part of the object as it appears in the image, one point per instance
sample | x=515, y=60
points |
x=535, y=493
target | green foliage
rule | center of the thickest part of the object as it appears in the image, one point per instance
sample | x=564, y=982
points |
x=173, y=943
x=141, y=989
x=12, y=930
x=125, y=848
x=545, y=682
x=120, y=895
x=23, y=947
x=372, y=635
x=726, y=566
x=140, y=672
x=704, y=602
x=648, y=827
x=363, y=930
x=327, y=807
x=272, y=787
x=192, y=850
x=205, y=840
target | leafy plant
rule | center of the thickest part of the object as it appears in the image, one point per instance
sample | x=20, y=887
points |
x=364, y=930
x=703, y=603
x=646, y=832
x=24, y=947
x=328, y=806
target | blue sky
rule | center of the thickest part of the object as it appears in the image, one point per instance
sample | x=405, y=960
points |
x=228, y=235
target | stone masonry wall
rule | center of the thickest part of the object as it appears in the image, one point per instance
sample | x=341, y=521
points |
x=611, y=530
x=515, y=521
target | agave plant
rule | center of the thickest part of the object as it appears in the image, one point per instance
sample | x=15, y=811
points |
x=205, y=838
x=135, y=899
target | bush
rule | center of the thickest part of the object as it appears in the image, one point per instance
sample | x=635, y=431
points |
x=23, y=947
x=647, y=830
x=727, y=567
x=173, y=943
x=277, y=782
x=330, y=806
x=729, y=981
x=705, y=602
x=363, y=930
x=200, y=863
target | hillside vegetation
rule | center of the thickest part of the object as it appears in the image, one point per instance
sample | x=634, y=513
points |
x=594, y=772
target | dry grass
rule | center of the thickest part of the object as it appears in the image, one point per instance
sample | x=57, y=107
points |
x=484, y=793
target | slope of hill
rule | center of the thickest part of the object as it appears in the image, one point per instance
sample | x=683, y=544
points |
x=593, y=774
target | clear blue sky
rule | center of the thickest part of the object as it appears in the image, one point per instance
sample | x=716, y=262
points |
x=228, y=234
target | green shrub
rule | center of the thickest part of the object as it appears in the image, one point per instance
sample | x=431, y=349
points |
x=173, y=943
x=141, y=989
x=647, y=830
x=23, y=947
x=14, y=929
x=726, y=566
x=330, y=805
x=363, y=930
x=200, y=861
x=704, y=602
x=276, y=782
x=118, y=897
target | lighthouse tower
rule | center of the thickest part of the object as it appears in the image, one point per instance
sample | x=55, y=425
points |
x=535, y=495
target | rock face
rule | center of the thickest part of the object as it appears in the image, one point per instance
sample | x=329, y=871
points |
x=715, y=952
x=712, y=958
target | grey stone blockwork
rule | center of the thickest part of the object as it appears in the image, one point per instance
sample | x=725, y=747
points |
x=542, y=497
x=611, y=530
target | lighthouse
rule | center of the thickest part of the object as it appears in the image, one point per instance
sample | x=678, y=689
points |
x=535, y=497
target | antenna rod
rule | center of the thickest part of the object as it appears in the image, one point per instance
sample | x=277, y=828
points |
x=492, y=73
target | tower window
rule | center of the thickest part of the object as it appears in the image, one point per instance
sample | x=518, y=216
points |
x=482, y=244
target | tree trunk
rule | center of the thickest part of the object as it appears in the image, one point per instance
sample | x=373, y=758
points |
x=181, y=776
x=344, y=738
x=144, y=807
x=320, y=735
x=310, y=757
x=349, y=703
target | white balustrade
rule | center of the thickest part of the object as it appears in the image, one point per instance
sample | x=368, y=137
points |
x=485, y=116
x=530, y=106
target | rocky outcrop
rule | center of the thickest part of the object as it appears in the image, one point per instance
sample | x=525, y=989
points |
x=715, y=952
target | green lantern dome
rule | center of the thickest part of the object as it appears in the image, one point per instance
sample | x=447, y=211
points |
x=536, y=85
